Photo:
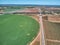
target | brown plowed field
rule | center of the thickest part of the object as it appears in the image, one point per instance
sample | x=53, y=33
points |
x=52, y=30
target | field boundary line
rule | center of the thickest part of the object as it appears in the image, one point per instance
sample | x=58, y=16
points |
x=53, y=40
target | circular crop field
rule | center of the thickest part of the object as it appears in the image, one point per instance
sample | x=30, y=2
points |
x=17, y=29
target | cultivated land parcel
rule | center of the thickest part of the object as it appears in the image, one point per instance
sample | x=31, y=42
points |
x=52, y=30
x=17, y=29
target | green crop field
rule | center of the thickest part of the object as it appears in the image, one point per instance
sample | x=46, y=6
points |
x=13, y=8
x=17, y=29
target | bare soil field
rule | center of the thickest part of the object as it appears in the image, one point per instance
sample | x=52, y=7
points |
x=52, y=30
